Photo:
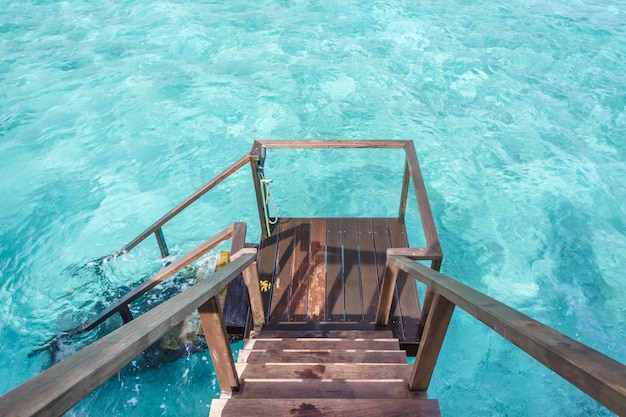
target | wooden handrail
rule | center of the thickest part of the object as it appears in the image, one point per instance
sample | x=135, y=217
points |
x=332, y=144
x=185, y=203
x=56, y=390
x=599, y=376
x=159, y=277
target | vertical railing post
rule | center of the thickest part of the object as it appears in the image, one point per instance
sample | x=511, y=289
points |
x=161, y=241
x=404, y=194
x=251, y=279
x=219, y=346
x=387, y=291
x=439, y=316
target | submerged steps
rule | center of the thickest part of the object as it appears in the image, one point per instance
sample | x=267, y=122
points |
x=324, y=373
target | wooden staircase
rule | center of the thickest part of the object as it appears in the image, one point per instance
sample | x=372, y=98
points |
x=324, y=373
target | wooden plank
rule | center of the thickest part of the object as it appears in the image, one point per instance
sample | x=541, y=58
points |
x=322, y=343
x=323, y=371
x=236, y=304
x=57, y=389
x=319, y=407
x=404, y=193
x=596, y=374
x=333, y=144
x=334, y=278
x=219, y=346
x=282, y=276
x=327, y=333
x=267, y=261
x=382, y=243
x=369, y=273
x=321, y=356
x=387, y=293
x=300, y=268
x=251, y=279
x=407, y=288
x=432, y=339
x=317, y=280
x=352, y=273
x=316, y=388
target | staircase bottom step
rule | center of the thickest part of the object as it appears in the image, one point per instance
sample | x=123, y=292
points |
x=317, y=407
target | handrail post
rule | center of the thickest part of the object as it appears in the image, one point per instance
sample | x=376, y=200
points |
x=219, y=346
x=251, y=279
x=430, y=343
x=161, y=241
x=386, y=294
x=404, y=194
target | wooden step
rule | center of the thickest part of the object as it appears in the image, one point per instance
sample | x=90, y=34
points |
x=321, y=356
x=324, y=388
x=353, y=334
x=323, y=371
x=322, y=407
x=323, y=343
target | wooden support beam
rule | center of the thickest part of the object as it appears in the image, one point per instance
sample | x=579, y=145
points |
x=430, y=343
x=426, y=215
x=219, y=346
x=404, y=194
x=251, y=279
x=386, y=295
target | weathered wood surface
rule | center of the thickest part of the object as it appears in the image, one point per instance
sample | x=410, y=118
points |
x=321, y=356
x=323, y=343
x=334, y=388
x=318, y=376
x=334, y=272
x=237, y=303
x=316, y=407
x=333, y=144
x=596, y=374
x=219, y=345
x=52, y=392
x=323, y=371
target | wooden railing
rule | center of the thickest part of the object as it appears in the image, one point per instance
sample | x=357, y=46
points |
x=56, y=390
x=412, y=175
x=599, y=376
x=235, y=231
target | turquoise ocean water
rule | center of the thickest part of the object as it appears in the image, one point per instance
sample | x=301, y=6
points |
x=111, y=112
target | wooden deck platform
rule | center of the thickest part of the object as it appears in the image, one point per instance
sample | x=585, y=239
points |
x=330, y=270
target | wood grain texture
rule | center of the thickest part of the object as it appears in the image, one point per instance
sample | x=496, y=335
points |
x=316, y=407
x=352, y=271
x=369, y=272
x=322, y=343
x=320, y=356
x=317, y=283
x=323, y=371
x=300, y=271
x=334, y=279
x=282, y=275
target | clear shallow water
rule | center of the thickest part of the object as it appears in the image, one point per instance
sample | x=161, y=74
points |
x=112, y=112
